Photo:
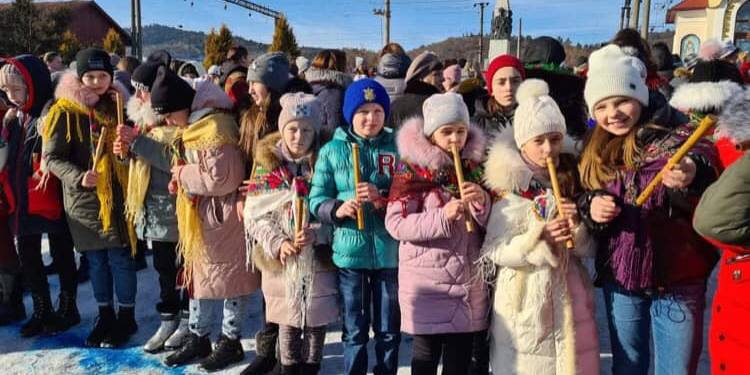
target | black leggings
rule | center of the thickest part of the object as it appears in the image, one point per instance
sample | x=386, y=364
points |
x=61, y=249
x=167, y=265
x=454, y=348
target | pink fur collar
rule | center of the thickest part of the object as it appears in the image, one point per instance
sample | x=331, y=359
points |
x=414, y=147
x=71, y=88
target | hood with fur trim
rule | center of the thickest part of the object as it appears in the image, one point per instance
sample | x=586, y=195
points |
x=71, y=88
x=734, y=120
x=141, y=113
x=208, y=98
x=414, y=147
x=704, y=96
x=327, y=77
x=504, y=169
x=267, y=154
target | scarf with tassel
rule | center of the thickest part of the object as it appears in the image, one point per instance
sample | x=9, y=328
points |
x=210, y=132
x=108, y=168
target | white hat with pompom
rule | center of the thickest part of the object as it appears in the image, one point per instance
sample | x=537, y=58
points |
x=537, y=113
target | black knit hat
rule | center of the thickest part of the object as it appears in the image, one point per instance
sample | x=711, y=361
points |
x=160, y=56
x=544, y=50
x=144, y=75
x=716, y=71
x=170, y=93
x=91, y=59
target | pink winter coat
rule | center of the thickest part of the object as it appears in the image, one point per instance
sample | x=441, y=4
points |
x=440, y=290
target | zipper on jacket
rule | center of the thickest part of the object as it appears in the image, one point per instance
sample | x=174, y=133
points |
x=738, y=259
x=19, y=167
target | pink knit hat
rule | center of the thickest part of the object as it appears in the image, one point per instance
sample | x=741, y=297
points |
x=300, y=106
x=452, y=73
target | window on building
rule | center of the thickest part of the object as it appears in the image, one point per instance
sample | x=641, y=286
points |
x=742, y=27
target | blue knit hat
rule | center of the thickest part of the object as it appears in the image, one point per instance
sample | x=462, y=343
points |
x=361, y=92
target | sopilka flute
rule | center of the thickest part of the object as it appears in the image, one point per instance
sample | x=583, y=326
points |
x=569, y=244
x=100, y=147
x=120, y=117
x=460, y=178
x=357, y=180
x=705, y=125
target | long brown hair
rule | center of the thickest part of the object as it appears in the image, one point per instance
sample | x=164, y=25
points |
x=257, y=122
x=330, y=59
x=605, y=154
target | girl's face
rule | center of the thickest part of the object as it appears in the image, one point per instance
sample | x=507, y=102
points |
x=505, y=83
x=259, y=92
x=618, y=115
x=450, y=134
x=369, y=120
x=97, y=80
x=179, y=118
x=298, y=137
x=539, y=148
x=17, y=94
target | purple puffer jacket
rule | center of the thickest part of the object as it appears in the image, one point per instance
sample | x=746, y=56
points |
x=440, y=290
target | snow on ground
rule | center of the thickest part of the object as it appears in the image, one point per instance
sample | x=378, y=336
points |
x=65, y=354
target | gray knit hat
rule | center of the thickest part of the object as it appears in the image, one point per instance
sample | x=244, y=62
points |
x=300, y=106
x=443, y=109
x=422, y=65
x=270, y=69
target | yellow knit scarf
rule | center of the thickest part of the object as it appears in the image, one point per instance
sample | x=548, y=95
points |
x=107, y=164
x=212, y=131
x=140, y=174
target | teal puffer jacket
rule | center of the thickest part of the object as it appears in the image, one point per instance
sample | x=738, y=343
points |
x=333, y=184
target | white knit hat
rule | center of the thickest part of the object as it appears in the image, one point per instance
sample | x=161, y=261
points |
x=443, y=109
x=300, y=106
x=614, y=73
x=537, y=113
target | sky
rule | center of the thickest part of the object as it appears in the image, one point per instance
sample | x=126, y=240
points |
x=342, y=23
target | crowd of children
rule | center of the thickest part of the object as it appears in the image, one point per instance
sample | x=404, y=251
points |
x=457, y=215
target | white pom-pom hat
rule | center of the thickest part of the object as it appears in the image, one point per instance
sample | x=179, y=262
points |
x=537, y=113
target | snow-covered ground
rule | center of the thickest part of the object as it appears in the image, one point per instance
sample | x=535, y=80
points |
x=65, y=354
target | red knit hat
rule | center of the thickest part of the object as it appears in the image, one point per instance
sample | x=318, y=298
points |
x=500, y=62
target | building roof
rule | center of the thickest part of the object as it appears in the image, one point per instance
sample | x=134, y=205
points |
x=685, y=5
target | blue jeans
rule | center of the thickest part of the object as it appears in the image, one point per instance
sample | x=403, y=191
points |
x=674, y=318
x=363, y=292
x=234, y=313
x=108, y=266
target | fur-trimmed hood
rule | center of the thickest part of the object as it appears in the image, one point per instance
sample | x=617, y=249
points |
x=141, y=113
x=208, y=98
x=267, y=153
x=504, y=169
x=704, y=96
x=415, y=148
x=71, y=88
x=328, y=76
x=734, y=121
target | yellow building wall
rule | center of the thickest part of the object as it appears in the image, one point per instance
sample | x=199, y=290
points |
x=690, y=22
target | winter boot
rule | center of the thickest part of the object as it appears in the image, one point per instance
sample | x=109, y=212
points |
x=12, y=308
x=169, y=323
x=291, y=369
x=194, y=347
x=226, y=352
x=104, y=324
x=179, y=336
x=123, y=329
x=265, y=349
x=310, y=368
x=67, y=311
x=43, y=320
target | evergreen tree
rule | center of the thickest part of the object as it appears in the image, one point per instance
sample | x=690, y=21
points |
x=284, y=40
x=27, y=28
x=217, y=45
x=112, y=43
x=69, y=47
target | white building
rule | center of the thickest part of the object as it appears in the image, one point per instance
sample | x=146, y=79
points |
x=698, y=20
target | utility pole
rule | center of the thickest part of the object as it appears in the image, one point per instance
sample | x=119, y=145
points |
x=386, y=14
x=635, y=16
x=646, y=18
x=520, y=36
x=481, y=29
x=136, y=32
x=625, y=15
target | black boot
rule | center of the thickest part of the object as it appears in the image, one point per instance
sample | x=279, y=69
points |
x=123, y=329
x=291, y=369
x=310, y=368
x=67, y=311
x=194, y=347
x=11, y=306
x=265, y=349
x=43, y=320
x=104, y=324
x=226, y=352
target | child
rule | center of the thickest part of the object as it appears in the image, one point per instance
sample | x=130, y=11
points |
x=149, y=206
x=26, y=80
x=651, y=263
x=207, y=172
x=543, y=309
x=93, y=194
x=298, y=276
x=443, y=300
x=367, y=258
